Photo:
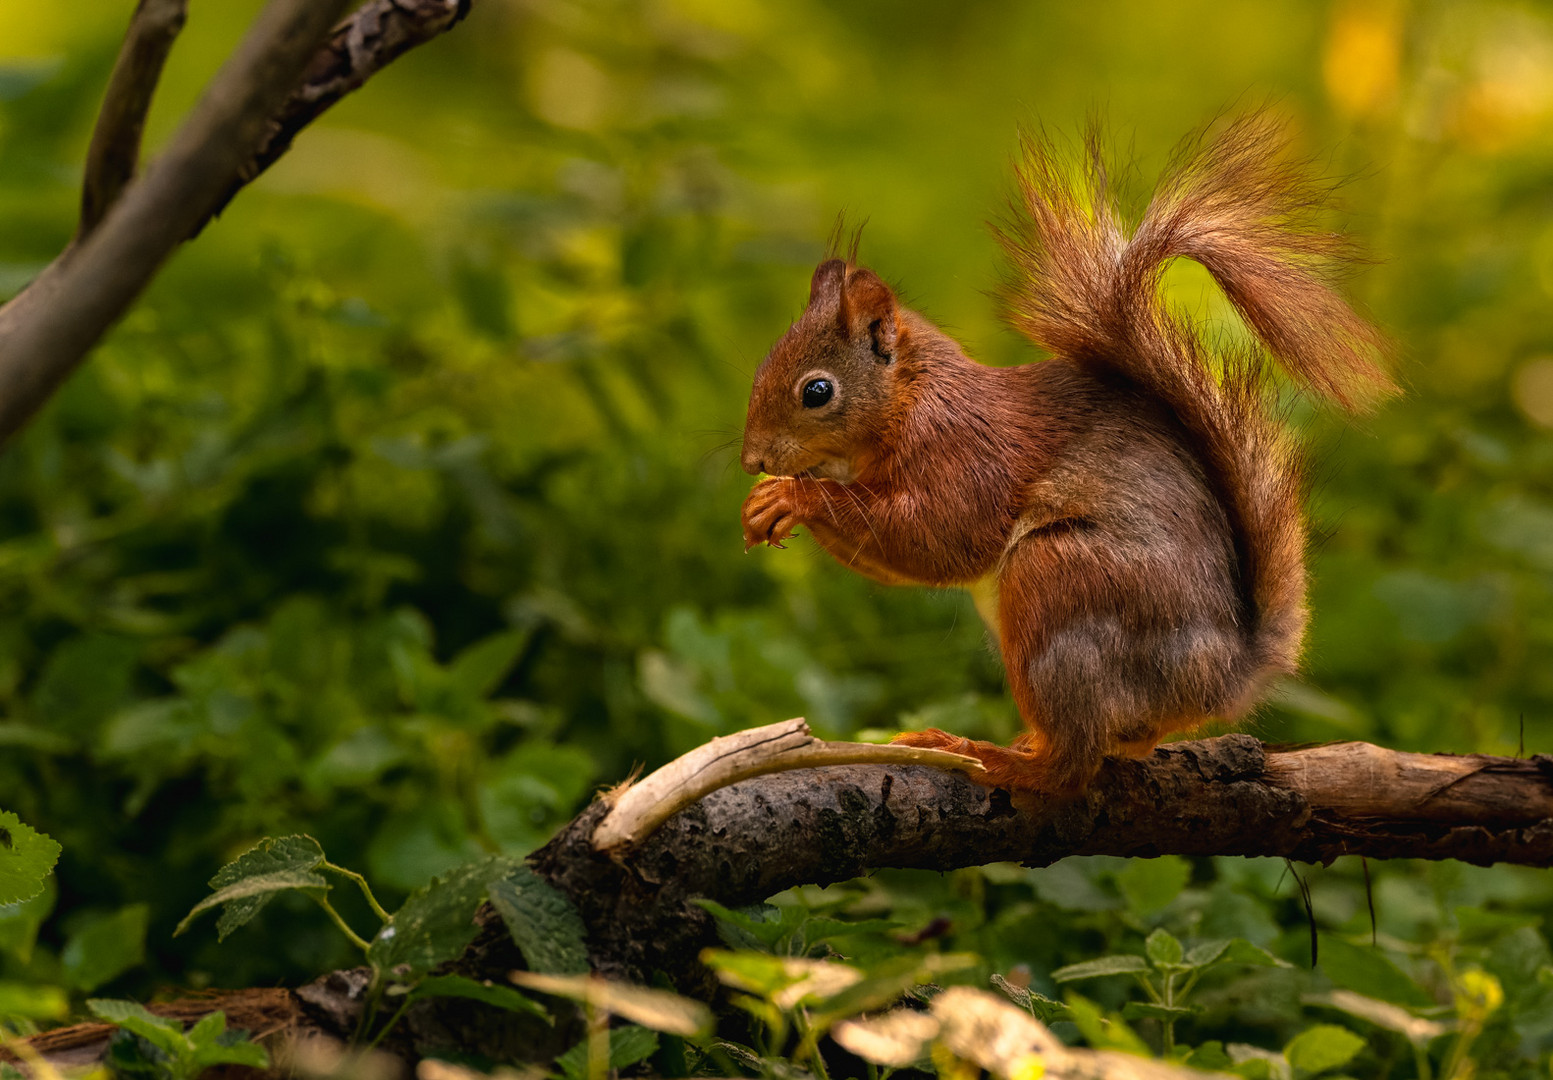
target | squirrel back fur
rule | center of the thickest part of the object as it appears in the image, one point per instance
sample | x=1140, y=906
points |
x=1083, y=287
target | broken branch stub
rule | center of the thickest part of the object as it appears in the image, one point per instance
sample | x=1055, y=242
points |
x=783, y=747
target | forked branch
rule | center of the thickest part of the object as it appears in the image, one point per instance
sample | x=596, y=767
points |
x=114, y=154
x=295, y=62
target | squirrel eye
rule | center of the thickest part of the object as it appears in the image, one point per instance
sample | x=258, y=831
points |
x=817, y=392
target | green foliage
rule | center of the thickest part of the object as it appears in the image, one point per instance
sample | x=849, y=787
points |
x=542, y=922
x=627, y=1046
x=26, y=858
x=157, y=1047
x=394, y=514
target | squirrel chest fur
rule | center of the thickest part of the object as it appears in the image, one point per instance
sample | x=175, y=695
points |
x=1127, y=512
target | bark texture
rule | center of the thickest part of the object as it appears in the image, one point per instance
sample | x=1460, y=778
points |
x=1224, y=796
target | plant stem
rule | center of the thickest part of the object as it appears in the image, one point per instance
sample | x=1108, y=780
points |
x=392, y=1020
x=361, y=883
x=355, y=938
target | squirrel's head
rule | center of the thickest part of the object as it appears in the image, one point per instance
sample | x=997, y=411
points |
x=822, y=396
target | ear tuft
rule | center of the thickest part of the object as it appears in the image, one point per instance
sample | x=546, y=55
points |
x=869, y=307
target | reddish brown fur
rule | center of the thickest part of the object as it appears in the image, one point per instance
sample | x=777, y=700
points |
x=1140, y=517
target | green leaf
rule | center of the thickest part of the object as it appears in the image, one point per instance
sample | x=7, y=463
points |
x=1231, y=951
x=164, y=1034
x=106, y=947
x=1104, y=1032
x=1104, y=965
x=437, y=921
x=1323, y=1047
x=627, y=1046
x=1369, y=972
x=457, y=986
x=1150, y=884
x=758, y=926
x=23, y=1001
x=542, y=921
x=1041, y=1007
x=26, y=858
x=247, y=896
x=479, y=670
x=19, y=923
x=251, y=880
x=1210, y=1057
x=1162, y=949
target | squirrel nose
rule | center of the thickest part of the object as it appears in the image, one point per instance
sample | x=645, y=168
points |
x=753, y=464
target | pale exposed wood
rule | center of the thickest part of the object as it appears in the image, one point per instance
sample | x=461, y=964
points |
x=640, y=808
x=1360, y=780
x=114, y=154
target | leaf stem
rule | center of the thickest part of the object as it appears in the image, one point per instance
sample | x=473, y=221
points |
x=361, y=883
x=355, y=938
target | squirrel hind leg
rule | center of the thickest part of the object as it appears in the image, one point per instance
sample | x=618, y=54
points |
x=1029, y=765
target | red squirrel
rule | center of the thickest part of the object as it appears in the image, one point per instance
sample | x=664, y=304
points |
x=1131, y=518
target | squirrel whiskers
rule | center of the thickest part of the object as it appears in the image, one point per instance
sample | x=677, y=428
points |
x=1134, y=519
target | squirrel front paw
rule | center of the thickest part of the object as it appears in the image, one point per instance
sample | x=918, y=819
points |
x=769, y=513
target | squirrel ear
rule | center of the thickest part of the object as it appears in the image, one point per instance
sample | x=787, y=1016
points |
x=868, y=306
x=825, y=287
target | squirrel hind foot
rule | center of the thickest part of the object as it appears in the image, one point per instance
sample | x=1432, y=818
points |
x=1024, y=771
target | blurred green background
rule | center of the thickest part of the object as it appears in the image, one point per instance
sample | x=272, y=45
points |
x=403, y=510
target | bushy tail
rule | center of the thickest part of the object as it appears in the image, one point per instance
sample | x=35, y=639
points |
x=1084, y=288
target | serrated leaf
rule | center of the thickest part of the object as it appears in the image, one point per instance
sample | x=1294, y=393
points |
x=542, y=921
x=1104, y=965
x=1323, y=1047
x=656, y=1009
x=26, y=858
x=255, y=887
x=627, y=1046
x=457, y=986
x=1162, y=949
x=277, y=862
x=1041, y=1007
x=1231, y=951
x=437, y=921
x=166, y=1035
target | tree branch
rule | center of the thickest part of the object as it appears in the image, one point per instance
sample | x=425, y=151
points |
x=288, y=70
x=375, y=35
x=1224, y=796
x=114, y=153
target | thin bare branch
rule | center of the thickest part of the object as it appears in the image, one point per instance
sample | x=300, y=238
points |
x=114, y=154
